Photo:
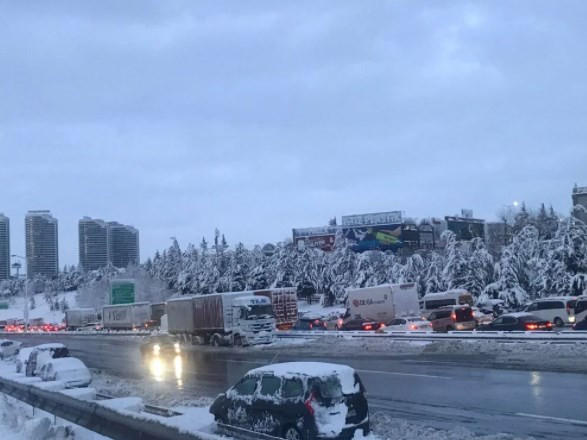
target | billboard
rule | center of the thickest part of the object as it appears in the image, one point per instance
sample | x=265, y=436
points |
x=466, y=229
x=321, y=237
x=373, y=219
x=382, y=237
x=122, y=292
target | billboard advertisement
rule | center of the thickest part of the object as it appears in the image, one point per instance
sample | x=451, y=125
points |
x=373, y=219
x=320, y=237
x=382, y=237
x=466, y=228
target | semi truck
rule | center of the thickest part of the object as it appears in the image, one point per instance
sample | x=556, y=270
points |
x=232, y=318
x=126, y=316
x=383, y=303
x=285, y=305
x=77, y=318
x=158, y=310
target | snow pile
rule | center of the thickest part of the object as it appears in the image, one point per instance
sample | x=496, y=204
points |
x=386, y=427
x=41, y=310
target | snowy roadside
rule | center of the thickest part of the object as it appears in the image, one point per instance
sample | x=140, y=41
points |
x=539, y=356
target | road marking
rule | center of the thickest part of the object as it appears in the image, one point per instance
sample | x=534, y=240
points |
x=555, y=419
x=394, y=373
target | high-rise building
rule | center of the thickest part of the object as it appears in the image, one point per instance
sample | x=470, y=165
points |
x=93, y=243
x=580, y=198
x=4, y=247
x=123, y=244
x=42, y=251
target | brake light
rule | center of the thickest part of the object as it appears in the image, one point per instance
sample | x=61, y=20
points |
x=453, y=316
x=308, y=403
x=367, y=326
x=381, y=325
x=414, y=327
x=531, y=326
x=311, y=326
x=549, y=324
x=339, y=322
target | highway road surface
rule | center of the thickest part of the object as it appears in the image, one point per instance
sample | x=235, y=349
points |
x=438, y=391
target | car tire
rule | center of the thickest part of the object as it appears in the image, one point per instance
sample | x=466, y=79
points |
x=558, y=322
x=290, y=432
x=238, y=341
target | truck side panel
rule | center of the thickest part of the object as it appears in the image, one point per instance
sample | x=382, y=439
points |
x=208, y=312
x=180, y=316
x=405, y=300
x=119, y=316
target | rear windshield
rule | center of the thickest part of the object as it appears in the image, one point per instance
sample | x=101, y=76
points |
x=463, y=315
x=329, y=388
x=60, y=353
x=415, y=320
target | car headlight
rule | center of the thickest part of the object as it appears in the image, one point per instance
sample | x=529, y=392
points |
x=571, y=319
x=156, y=347
x=177, y=347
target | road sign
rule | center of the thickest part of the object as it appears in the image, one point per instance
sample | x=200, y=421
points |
x=122, y=292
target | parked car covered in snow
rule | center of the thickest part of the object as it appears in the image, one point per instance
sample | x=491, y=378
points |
x=31, y=358
x=520, y=321
x=8, y=348
x=71, y=371
x=297, y=401
x=408, y=324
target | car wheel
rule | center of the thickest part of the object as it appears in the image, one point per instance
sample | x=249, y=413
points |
x=292, y=433
x=238, y=341
x=558, y=322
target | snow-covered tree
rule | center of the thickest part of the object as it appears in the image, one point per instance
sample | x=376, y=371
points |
x=455, y=272
x=507, y=286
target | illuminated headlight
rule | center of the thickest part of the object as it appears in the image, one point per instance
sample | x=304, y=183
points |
x=177, y=348
x=156, y=348
x=571, y=319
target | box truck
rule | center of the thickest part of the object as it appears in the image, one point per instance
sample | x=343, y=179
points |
x=383, y=303
x=77, y=318
x=285, y=305
x=126, y=316
x=232, y=318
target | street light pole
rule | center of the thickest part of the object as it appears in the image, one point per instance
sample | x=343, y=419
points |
x=26, y=293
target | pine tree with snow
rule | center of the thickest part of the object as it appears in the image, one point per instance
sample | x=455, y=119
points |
x=433, y=282
x=455, y=272
x=507, y=286
x=480, y=264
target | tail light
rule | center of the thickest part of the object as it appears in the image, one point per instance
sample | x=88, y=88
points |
x=339, y=322
x=308, y=403
x=453, y=316
x=549, y=324
x=381, y=325
x=414, y=327
x=311, y=326
x=367, y=327
x=530, y=326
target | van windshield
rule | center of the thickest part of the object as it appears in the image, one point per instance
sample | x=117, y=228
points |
x=257, y=312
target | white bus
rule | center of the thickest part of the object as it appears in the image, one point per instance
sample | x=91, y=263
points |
x=455, y=297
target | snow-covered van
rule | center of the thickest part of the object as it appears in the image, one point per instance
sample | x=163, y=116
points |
x=455, y=297
x=382, y=303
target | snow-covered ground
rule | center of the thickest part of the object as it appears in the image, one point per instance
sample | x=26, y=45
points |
x=41, y=310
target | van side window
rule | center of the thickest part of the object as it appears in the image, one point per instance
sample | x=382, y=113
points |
x=270, y=386
x=532, y=307
x=292, y=388
x=550, y=305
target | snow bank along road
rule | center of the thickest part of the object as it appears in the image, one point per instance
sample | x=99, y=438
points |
x=439, y=390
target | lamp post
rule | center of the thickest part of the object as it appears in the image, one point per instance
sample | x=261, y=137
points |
x=26, y=293
x=510, y=209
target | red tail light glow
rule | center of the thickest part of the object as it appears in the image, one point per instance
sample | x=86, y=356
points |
x=549, y=324
x=414, y=327
x=530, y=326
x=453, y=316
x=308, y=403
x=367, y=326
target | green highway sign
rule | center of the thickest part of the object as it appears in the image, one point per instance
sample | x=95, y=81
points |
x=122, y=292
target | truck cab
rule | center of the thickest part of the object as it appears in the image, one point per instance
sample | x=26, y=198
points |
x=252, y=321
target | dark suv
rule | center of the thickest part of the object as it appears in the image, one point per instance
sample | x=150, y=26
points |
x=296, y=401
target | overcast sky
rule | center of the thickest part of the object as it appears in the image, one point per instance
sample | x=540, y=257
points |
x=255, y=117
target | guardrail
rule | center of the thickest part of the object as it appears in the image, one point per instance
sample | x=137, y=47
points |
x=96, y=417
x=534, y=336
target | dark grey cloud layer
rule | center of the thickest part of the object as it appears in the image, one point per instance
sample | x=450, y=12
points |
x=181, y=116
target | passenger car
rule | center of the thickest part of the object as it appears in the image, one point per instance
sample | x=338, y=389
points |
x=361, y=324
x=310, y=323
x=160, y=343
x=409, y=323
x=559, y=311
x=452, y=318
x=8, y=348
x=520, y=321
x=71, y=371
x=28, y=357
x=297, y=401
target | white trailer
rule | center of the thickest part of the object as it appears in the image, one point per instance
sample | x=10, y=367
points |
x=76, y=318
x=126, y=316
x=383, y=303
